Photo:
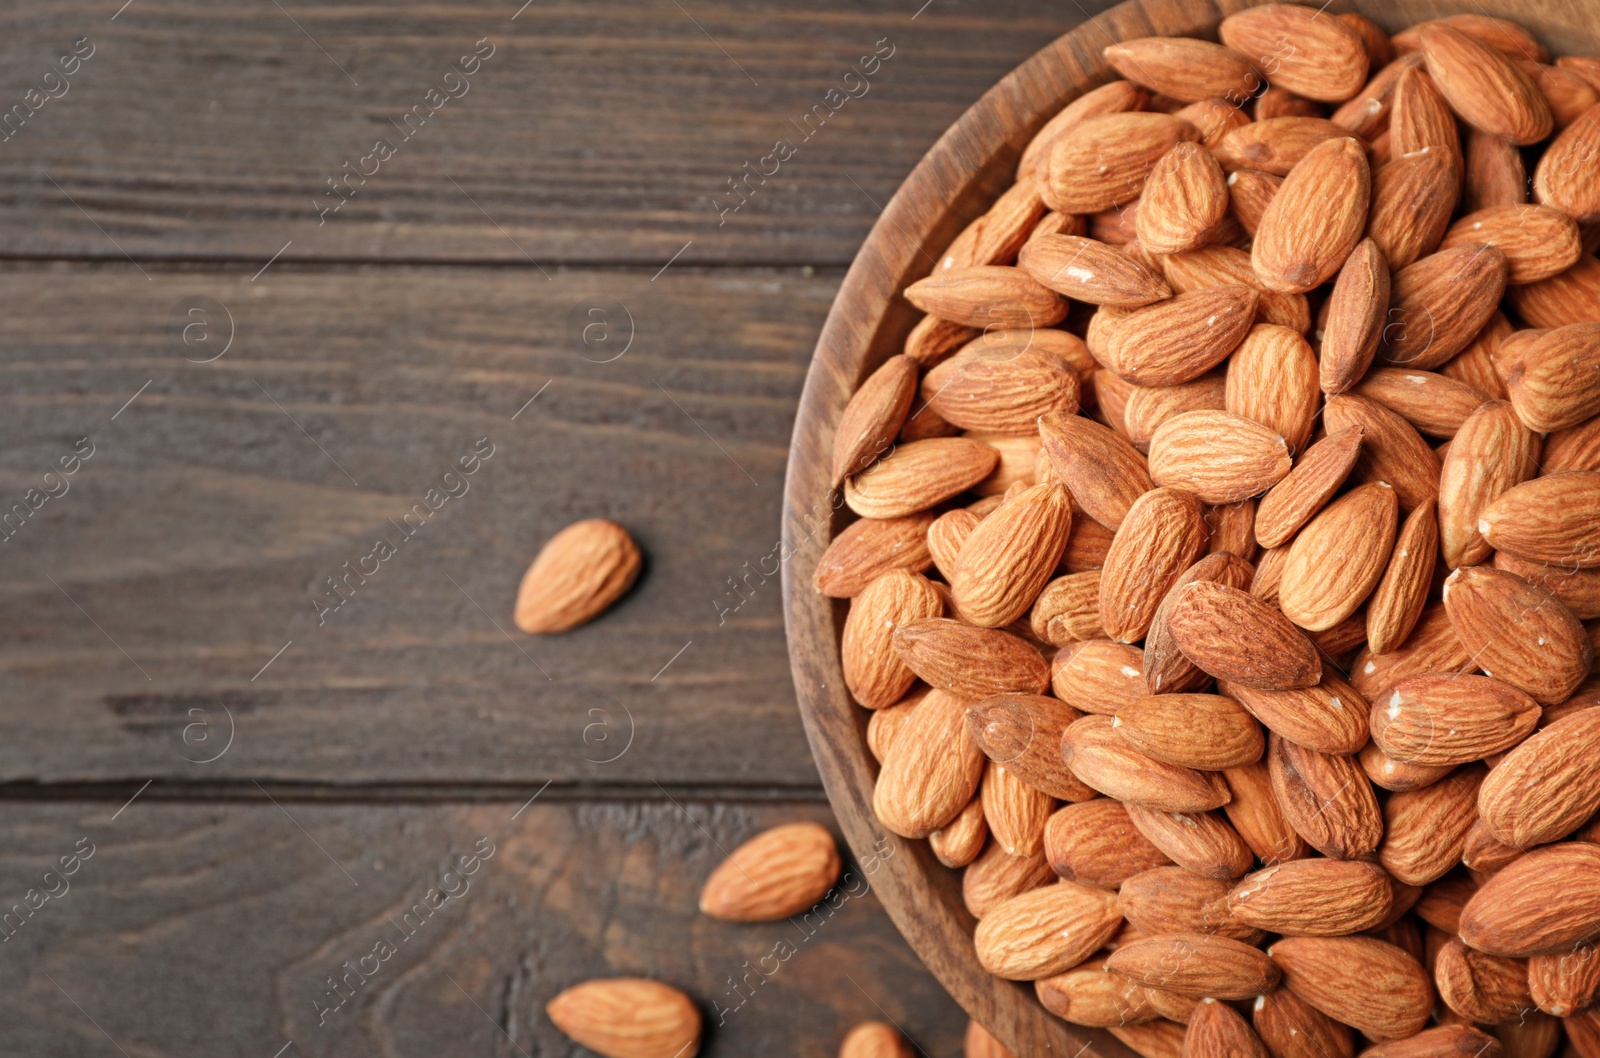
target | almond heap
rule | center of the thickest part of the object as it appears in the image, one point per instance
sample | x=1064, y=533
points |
x=1220, y=592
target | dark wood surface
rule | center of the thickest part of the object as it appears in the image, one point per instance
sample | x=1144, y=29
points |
x=142, y=607
x=868, y=323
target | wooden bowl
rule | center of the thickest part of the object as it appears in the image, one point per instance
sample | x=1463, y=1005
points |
x=956, y=181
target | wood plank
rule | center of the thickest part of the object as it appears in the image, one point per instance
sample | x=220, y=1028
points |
x=595, y=132
x=189, y=925
x=198, y=539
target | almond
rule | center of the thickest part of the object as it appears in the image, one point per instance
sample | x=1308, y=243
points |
x=1182, y=338
x=1196, y=964
x=778, y=873
x=1114, y=98
x=1318, y=58
x=968, y=661
x=628, y=1017
x=874, y=1039
x=1571, y=297
x=1023, y=732
x=1370, y=985
x=1548, y=657
x=933, y=339
x=1151, y=1039
x=1574, y=448
x=1421, y=121
x=1104, y=161
x=979, y=1044
x=1477, y=364
x=1218, y=456
x=1213, y=266
x=1538, y=242
x=1000, y=391
x=1009, y=556
x=1205, y=731
x=1326, y=798
x=1104, y=473
x=1542, y=904
x=1367, y=113
x=1440, y=303
x=1091, y=271
x=1150, y=406
x=1412, y=200
x=1315, y=219
x=1068, y=609
x=1097, y=675
x=1425, y=830
x=1184, y=68
x=996, y=876
x=1047, y=931
x=1484, y=87
x=1256, y=815
x=1273, y=380
x=1495, y=173
x=1202, y=842
x=988, y=295
x=946, y=534
x=1166, y=670
x=1508, y=38
x=874, y=416
x=1397, y=602
x=1184, y=200
x=1434, y=403
x=1293, y=1029
x=1491, y=453
x=1090, y=996
x=1015, y=812
x=1565, y=176
x=995, y=237
x=1555, y=382
x=576, y=576
x=873, y=672
x=1313, y=898
x=1167, y=900
x=1553, y=519
x=931, y=770
x=1096, y=843
x=1445, y=1041
x=915, y=476
x=1162, y=535
x=1337, y=559
x=959, y=841
x=1564, y=983
x=1234, y=636
x=1480, y=987
x=1432, y=646
x=1250, y=191
x=871, y=548
x=1391, y=449
x=1216, y=1030
x=1102, y=759
x=1441, y=719
x=1578, y=589
x=1356, y=318
x=1315, y=477
x=1548, y=786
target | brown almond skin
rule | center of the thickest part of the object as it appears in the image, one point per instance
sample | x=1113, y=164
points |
x=1180, y=339
x=1440, y=303
x=996, y=876
x=871, y=547
x=778, y=873
x=1413, y=199
x=933, y=339
x=1096, y=843
x=1046, y=931
x=1425, y=830
x=1015, y=812
x=1315, y=477
x=1167, y=900
x=1000, y=389
x=1089, y=996
x=1538, y=242
x=1196, y=964
x=1338, y=558
x=1398, y=601
x=1216, y=1030
x=1325, y=59
x=1162, y=535
x=1205, y=731
x=1327, y=799
x=1543, y=903
x=1104, y=161
x=1184, y=200
x=1023, y=732
x=1184, y=68
x=1097, y=675
x=1551, y=654
x=1554, y=382
x=1090, y=271
x=1445, y=1041
x=1102, y=759
x=874, y=674
x=1493, y=451
x=1291, y=1028
x=1574, y=448
x=1548, y=786
x=874, y=416
x=931, y=770
x=578, y=573
x=1495, y=173
x=1114, y=98
x=1313, y=898
x=915, y=476
x=1275, y=145
x=987, y=295
x=1316, y=218
x=1564, y=983
x=1150, y=406
x=1551, y=519
x=1564, y=178
x=1161, y=1038
x=1448, y=719
x=1272, y=379
x=1009, y=556
x=1329, y=718
x=970, y=662
x=1432, y=646
x=1484, y=988
x=959, y=841
x=1357, y=315
x=1202, y=842
x=1485, y=88
x=628, y=1017
x=1391, y=449
x=1569, y=298
x=1431, y=401
x=1219, y=456
x=1578, y=589
x=1104, y=473
x=1166, y=670
x=1372, y=986
x=1234, y=636
x=1256, y=815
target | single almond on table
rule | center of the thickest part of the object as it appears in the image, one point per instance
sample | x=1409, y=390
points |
x=628, y=1017
x=778, y=873
x=875, y=1039
x=578, y=573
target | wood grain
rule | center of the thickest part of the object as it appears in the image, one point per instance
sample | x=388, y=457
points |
x=198, y=538
x=595, y=132
x=190, y=925
x=965, y=171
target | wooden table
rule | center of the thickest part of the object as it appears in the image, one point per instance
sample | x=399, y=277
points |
x=274, y=759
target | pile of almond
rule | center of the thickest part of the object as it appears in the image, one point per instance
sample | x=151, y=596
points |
x=1227, y=532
